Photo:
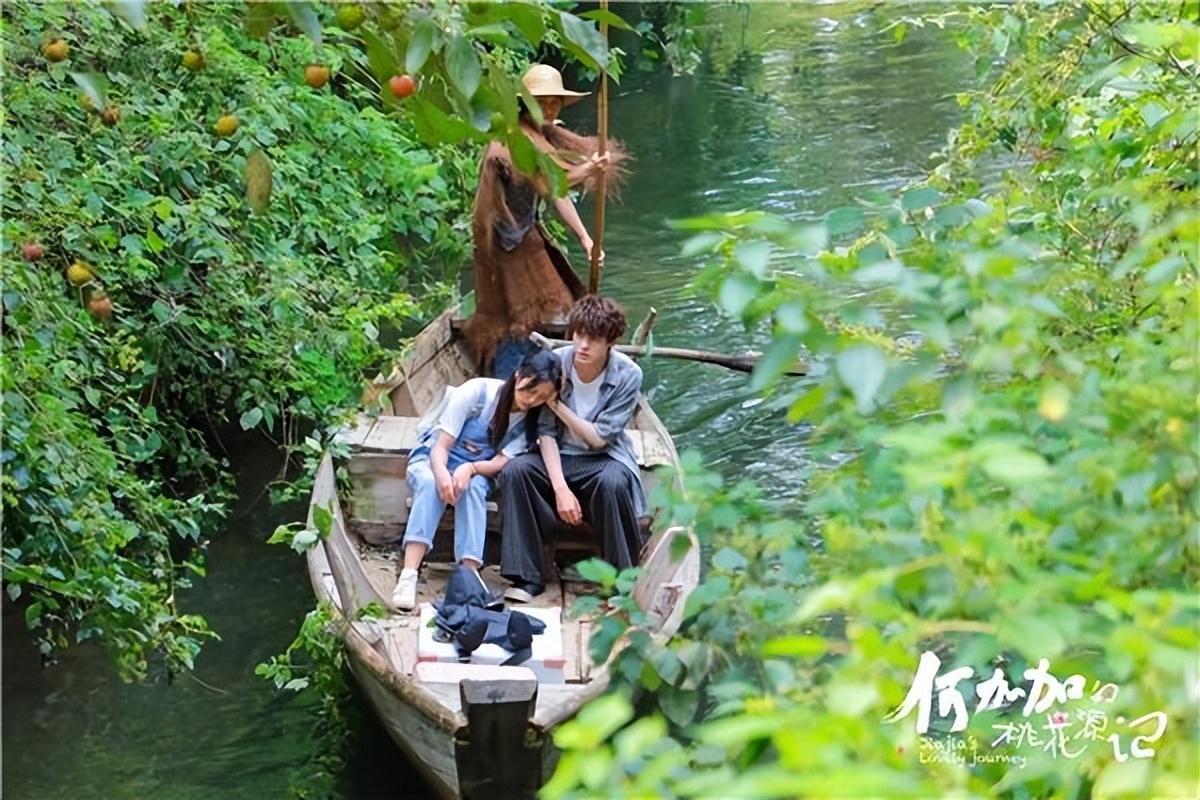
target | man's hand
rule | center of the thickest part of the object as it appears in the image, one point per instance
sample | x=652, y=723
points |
x=462, y=479
x=568, y=506
x=445, y=486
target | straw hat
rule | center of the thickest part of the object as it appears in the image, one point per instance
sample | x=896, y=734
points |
x=543, y=80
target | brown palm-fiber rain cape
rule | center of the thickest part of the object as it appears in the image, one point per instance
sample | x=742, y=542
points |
x=521, y=277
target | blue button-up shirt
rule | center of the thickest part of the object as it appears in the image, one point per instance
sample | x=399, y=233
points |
x=620, y=385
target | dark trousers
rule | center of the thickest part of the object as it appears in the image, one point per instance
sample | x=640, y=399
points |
x=529, y=514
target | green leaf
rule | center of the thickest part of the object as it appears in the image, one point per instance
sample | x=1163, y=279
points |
x=806, y=404
x=779, y=357
x=437, y=127
x=528, y=19
x=1165, y=270
x=1124, y=779
x=598, y=571
x=379, y=56
x=132, y=11
x=666, y=664
x=844, y=221
x=596, y=721
x=424, y=37
x=736, y=293
x=260, y=18
x=462, y=63
x=283, y=534
x=919, y=198
x=94, y=86
x=753, y=256
x=306, y=19
x=729, y=560
x=251, y=418
x=739, y=730
x=1016, y=467
x=583, y=40
x=524, y=154
x=702, y=243
x=606, y=16
x=323, y=520
x=796, y=646
x=304, y=540
x=33, y=615
x=862, y=370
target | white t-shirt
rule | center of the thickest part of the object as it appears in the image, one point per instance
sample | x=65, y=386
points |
x=459, y=404
x=584, y=397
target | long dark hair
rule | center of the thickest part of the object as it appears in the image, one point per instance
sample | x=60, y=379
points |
x=542, y=366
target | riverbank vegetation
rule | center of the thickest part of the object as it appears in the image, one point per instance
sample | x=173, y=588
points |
x=1011, y=448
x=219, y=216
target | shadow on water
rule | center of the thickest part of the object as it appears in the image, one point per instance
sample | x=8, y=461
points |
x=800, y=109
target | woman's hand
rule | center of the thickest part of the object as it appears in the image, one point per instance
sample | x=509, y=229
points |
x=586, y=243
x=445, y=485
x=568, y=506
x=462, y=479
x=593, y=165
x=596, y=164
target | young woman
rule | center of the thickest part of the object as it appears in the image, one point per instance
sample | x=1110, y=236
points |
x=521, y=278
x=485, y=422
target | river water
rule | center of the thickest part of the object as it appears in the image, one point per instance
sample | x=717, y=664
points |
x=797, y=110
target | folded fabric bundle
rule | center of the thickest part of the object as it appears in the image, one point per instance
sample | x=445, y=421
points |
x=469, y=617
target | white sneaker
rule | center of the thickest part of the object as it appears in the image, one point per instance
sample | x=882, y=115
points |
x=404, y=596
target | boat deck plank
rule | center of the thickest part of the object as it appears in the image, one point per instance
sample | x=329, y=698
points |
x=357, y=433
x=392, y=435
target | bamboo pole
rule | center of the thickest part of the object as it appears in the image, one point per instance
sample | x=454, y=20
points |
x=743, y=363
x=595, y=265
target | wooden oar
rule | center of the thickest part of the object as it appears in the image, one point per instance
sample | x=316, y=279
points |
x=743, y=363
x=595, y=266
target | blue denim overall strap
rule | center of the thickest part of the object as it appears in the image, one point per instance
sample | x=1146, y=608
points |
x=472, y=443
x=477, y=441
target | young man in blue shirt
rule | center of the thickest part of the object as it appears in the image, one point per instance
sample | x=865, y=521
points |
x=586, y=470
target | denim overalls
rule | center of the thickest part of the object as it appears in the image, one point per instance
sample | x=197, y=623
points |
x=470, y=512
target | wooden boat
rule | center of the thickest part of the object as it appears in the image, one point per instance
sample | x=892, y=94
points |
x=474, y=729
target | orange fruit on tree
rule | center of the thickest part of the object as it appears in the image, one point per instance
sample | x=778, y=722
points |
x=79, y=273
x=402, y=86
x=193, y=60
x=55, y=50
x=32, y=251
x=316, y=75
x=100, y=306
x=227, y=125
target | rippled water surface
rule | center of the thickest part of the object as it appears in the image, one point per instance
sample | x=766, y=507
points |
x=799, y=109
